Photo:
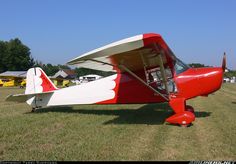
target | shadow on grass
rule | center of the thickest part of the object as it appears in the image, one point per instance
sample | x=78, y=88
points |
x=233, y=102
x=151, y=114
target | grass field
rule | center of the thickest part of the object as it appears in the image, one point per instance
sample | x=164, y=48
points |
x=118, y=132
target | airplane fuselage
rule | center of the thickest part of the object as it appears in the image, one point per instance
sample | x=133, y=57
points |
x=125, y=89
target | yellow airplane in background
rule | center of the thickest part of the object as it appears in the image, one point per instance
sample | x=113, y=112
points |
x=1, y=83
x=13, y=78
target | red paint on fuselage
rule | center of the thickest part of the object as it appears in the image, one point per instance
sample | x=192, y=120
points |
x=129, y=91
x=191, y=83
x=198, y=82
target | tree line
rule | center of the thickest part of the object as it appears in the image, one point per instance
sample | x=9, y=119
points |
x=15, y=56
x=228, y=74
x=50, y=70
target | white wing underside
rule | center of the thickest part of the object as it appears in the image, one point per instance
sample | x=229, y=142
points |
x=133, y=52
x=99, y=58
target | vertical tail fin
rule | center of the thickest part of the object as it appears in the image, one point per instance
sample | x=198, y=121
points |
x=38, y=82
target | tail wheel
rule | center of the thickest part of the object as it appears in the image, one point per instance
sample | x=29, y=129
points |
x=33, y=110
x=189, y=108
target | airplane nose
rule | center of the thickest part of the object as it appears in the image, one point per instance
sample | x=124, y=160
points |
x=210, y=80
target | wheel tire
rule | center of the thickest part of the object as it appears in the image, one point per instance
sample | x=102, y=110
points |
x=189, y=108
x=33, y=110
x=186, y=126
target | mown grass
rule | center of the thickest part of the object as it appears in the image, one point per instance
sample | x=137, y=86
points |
x=118, y=132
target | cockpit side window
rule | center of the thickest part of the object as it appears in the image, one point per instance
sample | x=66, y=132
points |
x=180, y=66
x=155, y=80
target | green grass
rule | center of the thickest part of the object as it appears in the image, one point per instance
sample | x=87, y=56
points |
x=118, y=132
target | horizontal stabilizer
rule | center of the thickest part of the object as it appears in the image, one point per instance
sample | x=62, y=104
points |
x=24, y=97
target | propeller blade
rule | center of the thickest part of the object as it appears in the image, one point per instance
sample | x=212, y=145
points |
x=224, y=62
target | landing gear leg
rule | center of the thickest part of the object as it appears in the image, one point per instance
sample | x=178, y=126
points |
x=35, y=108
x=182, y=116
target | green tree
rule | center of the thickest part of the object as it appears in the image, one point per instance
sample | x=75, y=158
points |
x=86, y=71
x=196, y=65
x=3, y=49
x=50, y=69
x=63, y=66
x=15, y=56
x=230, y=74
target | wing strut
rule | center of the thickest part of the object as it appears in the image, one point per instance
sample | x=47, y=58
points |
x=144, y=67
x=141, y=80
x=163, y=74
x=100, y=62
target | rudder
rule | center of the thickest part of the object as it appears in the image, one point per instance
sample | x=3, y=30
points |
x=37, y=81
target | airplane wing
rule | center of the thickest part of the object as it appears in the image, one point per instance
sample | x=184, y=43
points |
x=134, y=53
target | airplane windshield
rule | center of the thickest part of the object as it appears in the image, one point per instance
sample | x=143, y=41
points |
x=180, y=66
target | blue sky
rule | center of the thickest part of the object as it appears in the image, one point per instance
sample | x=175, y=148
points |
x=59, y=30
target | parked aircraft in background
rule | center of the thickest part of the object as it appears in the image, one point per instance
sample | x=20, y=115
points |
x=147, y=71
x=13, y=78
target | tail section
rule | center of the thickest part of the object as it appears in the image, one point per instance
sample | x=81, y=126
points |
x=39, y=89
x=38, y=82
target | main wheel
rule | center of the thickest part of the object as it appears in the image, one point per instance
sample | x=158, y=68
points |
x=187, y=125
x=189, y=108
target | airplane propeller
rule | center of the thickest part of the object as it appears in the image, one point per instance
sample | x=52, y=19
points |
x=224, y=62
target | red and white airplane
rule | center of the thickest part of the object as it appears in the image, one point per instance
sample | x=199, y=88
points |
x=146, y=71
